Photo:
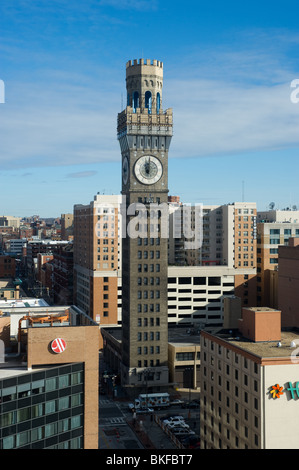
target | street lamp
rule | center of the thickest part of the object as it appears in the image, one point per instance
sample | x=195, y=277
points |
x=189, y=375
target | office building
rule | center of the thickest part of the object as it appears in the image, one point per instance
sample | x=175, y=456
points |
x=63, y=276
x=48, y=378
x=97, y=258
x=288, y=282
x=274, y=230
x=249, y=384
x=67, y=221
x=227, y=237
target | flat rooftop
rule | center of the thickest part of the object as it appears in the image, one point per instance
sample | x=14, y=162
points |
x=265, y=349
x=13, y=357
x=24, y=302
x=184, y=336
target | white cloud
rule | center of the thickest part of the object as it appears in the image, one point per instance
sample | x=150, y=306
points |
x=82, y=174
x=214, y=118
x=227, y=102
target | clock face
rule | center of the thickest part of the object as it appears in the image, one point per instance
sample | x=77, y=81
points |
x=148, y=169
x=125, y=170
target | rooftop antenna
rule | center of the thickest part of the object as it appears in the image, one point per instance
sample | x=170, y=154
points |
x=243, y=191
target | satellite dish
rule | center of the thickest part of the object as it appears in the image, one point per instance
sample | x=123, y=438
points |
x=279, y=344
x=293, y=344
x=271, y=205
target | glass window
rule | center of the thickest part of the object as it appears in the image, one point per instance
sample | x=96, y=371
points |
x=8, y=418
x=51, y=384
x=23, y=414
x=23, y=390
x=63, y=403
x=50, y=429
x=63, y=425
x=38, y=386
x=63, y=381
x=9, y=393
x=37, y=410
x=8, y=442
x=50, y=407
x=22, y=438
x=36, y=434
x=75, y=422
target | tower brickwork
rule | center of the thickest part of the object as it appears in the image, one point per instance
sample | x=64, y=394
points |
x=144, y=132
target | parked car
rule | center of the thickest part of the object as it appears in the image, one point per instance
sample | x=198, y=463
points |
x=181, y=431
x=179, y=424
x=144, y=411
x=176, y=402
x=171, y=419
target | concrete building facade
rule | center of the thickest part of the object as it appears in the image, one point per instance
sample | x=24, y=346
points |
x=288, y=282
x=275, y=231
x=249, y=385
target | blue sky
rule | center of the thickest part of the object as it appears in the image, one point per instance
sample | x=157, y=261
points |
x=228, y=69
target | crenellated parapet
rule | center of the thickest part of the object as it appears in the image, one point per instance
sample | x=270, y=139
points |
x=136, y=122
x=144, y=81
x=155, y=63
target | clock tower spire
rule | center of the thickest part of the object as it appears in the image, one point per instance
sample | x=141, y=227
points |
x=144, y=132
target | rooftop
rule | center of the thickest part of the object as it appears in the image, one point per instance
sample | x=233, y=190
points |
x=266, y=349
x=24, y=302
x=13, y=356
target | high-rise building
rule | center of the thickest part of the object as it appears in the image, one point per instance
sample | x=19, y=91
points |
x=144, y=132
x=227, y=235
x=288, y=282
x=97, y=260
x=67, y=221
x=274, y=228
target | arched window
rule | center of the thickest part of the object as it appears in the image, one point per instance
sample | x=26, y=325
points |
x=135, y=101
x=148, y=101
x=158, y=102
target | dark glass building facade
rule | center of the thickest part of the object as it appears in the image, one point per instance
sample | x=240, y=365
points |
x=43, y=409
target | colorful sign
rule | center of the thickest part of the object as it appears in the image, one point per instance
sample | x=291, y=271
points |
x=276, y=390
x=58, y=345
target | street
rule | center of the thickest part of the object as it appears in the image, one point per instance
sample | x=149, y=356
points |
x=116, y=433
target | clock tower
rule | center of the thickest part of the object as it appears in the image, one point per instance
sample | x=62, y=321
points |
x=144, y=132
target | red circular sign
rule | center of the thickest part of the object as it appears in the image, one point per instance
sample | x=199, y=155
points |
x=58, y=345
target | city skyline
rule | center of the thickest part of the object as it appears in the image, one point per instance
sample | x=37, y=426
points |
x=228, y=75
